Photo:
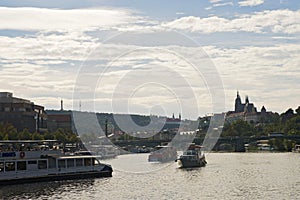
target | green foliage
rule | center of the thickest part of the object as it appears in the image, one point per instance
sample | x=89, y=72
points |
x=287, y=123
x=298, y=110
x=8, y=132
x=277, y=144
x=48, y=136
x=25, y=135
x=37, y=136
x=238, y=128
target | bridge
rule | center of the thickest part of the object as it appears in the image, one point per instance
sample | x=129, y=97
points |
x=237, y=143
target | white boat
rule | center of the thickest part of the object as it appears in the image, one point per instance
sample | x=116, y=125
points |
x=192, y=157
x=296, y=148
x=105, y=151
x=32, y=161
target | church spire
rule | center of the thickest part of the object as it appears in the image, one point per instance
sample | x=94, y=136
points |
x=247, y=99
x=238, y=103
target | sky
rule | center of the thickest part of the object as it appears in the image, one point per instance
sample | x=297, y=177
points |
x=151, y=57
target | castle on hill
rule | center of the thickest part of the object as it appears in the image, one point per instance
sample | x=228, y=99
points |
x=247, y=112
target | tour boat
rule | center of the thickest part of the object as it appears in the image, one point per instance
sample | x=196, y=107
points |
x=32, y=161
x=192, y=157
x=163, y=154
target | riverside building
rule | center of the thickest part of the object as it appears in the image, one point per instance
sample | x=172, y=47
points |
x=22, y=113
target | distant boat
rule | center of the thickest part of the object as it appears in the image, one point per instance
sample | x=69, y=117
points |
x=192, y=157
x=259, y=146
x=105, y=151
x=43, y=160
x=296, y=148
x=163, y=154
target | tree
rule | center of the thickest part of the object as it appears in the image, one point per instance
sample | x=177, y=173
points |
x=60, y=135
x=287, y=115
x=8, y=131
x=37, y=136
x=25, y=135
x=48, y=136
x=238, y=128
x=298, y=110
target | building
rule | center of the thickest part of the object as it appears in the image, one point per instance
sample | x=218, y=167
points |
x=247, y=112
x=243, y=107
x=22, y=113
x=172, y=123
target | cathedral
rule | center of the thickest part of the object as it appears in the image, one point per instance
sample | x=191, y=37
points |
x=247, y=111
x=243, y=107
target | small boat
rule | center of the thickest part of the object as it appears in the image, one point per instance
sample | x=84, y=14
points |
x=192, y=157
x=163, y=154
x=43, y=160
x=296, y=148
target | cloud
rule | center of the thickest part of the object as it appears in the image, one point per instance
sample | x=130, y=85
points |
x=223, y=4
x=251, y=2
x=215, y=1
x=276, y=21
x=52, y=47
x=53, y=19
x=43, y=66
x=266, y=73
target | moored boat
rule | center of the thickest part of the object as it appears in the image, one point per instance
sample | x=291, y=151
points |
x=192, y=157
x=33, y=161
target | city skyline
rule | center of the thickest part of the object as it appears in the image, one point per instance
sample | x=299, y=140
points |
x=253, y=45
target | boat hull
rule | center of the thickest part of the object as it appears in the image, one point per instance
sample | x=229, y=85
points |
x=107, y=172
x=187, y=162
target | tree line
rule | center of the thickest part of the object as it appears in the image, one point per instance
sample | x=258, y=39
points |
x=9, y=132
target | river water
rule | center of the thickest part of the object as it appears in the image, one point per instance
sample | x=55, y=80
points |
x=226, y=176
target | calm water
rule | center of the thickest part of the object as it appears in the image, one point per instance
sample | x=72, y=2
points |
x=227, y=176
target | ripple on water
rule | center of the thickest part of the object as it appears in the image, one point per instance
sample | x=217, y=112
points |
x=226, y=176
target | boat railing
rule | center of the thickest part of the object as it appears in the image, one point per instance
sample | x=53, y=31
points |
x=28, y=154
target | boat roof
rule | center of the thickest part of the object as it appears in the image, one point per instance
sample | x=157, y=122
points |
x=27, y=141
x=79, y=156
x=194, y=146
x=165, y=146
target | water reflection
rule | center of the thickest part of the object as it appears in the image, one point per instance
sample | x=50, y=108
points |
x=44, y=190
x=226, y=176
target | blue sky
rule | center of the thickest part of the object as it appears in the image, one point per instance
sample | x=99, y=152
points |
x=252, y=44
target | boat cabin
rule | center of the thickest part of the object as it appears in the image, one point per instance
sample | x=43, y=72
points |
x=21, y=156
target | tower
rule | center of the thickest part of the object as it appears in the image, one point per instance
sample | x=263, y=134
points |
x=238, y=103
x=247, y=99
x=61, y=105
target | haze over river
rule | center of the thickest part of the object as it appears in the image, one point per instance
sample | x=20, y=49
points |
x=226, y=176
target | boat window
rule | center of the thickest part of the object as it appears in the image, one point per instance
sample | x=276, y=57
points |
x=79, y=162
x=9, y=166
x=42, y=164
x=87, y=162
x=52, y=163
x=70, y=163
x=1, y=166
x=62, y=163
x=21, y=165
x=32, y=162
x=96, y=162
